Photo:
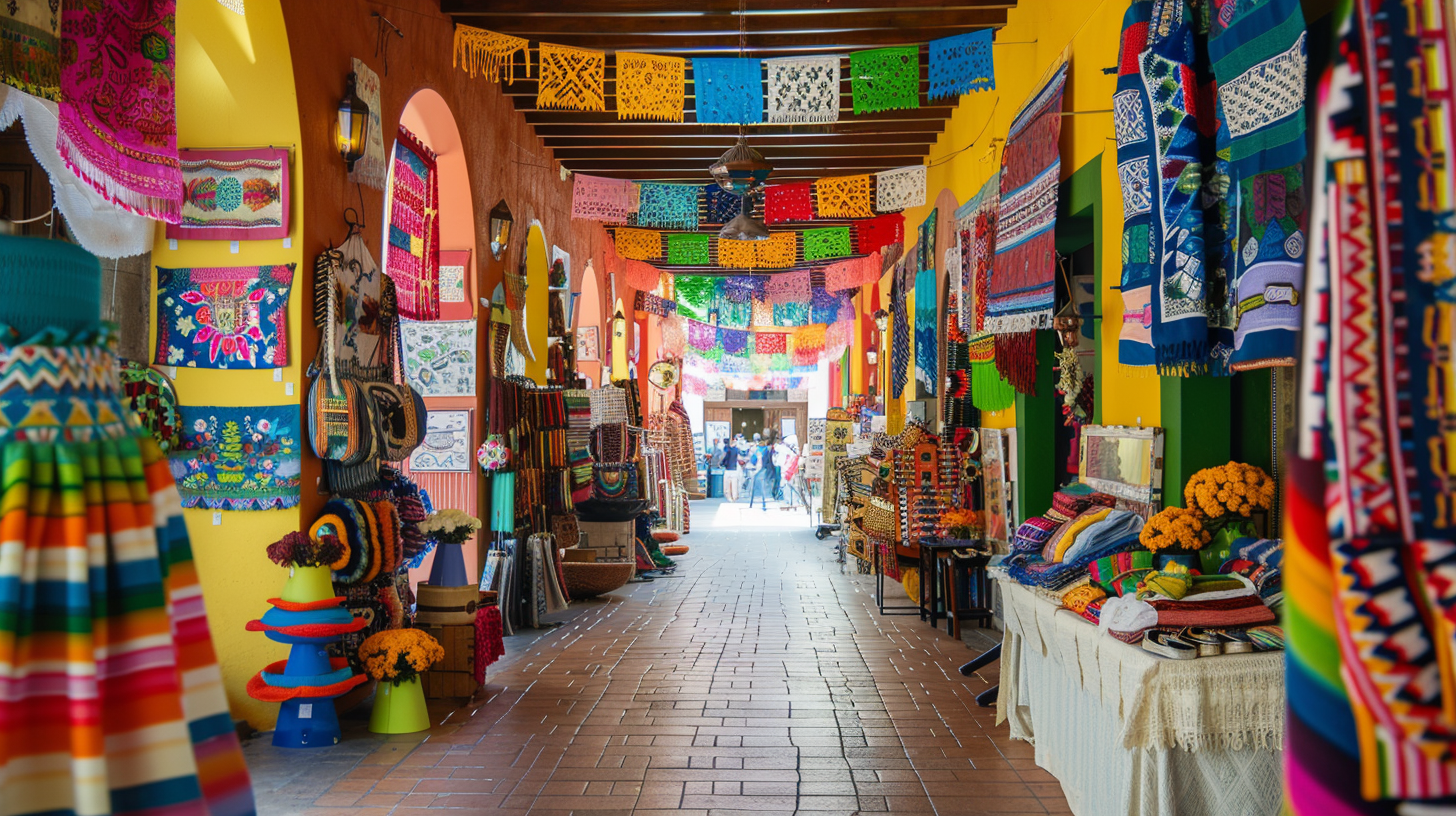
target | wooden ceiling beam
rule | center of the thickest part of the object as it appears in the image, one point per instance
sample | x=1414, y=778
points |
x=687, y=25
x=716, y=148
x=555, y=117
x=632, y=129
x=604, y=8
x=781, y=162
x=709, y=154
x=759, y=44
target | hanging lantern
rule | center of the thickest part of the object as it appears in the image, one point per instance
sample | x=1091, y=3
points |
x=500, y=228
x=352, y=129
x=744, y=227
x=741, y=170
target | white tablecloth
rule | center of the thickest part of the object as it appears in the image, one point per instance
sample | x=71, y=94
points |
x=1131, y=734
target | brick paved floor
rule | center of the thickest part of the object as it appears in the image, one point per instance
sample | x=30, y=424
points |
x=759, y=680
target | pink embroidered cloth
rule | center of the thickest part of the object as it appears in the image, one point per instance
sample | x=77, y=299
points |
x=852, y=274
x=118, y=109
x=601, y=199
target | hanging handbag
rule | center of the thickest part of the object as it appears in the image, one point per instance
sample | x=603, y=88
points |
x=615, y=481
x=401, y=415
x=341, y=425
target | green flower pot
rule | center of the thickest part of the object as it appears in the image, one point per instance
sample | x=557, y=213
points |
x=308, y=584
x=399, y=709
x=1217, y=551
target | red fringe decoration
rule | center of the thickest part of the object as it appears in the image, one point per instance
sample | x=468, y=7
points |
x=1016, y=360
x=489, y=645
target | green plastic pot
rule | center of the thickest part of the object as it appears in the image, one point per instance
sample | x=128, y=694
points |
x=399, y=709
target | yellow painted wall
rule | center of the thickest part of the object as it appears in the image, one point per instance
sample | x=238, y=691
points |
x=235, y=89
x=1033, y=41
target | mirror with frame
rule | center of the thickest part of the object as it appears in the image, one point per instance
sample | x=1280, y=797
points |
x=1125, y=462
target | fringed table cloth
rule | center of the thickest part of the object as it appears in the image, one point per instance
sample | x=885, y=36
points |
x=1126, y=732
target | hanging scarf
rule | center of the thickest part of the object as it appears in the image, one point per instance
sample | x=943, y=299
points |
x=1258, y=52
x=989, y=390
x=1131, y=118
x=118, y=110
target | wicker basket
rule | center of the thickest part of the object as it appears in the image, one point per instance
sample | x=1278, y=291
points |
x=588, y=580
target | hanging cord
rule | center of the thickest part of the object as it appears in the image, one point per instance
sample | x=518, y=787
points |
x=381, y=41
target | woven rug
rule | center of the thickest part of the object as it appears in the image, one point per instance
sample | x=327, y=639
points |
x=118, y=106
x=1130, y=118
x=412, y=258
x=1022, y=284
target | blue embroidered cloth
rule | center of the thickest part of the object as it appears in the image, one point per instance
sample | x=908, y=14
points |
x=927, y=371
x=668, y=206
x=223, y=317
x=961, y=64
x=239, y=458
x=728, y=91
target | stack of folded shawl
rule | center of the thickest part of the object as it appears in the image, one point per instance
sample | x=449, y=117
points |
x=1066, y=559
x=1260, y=560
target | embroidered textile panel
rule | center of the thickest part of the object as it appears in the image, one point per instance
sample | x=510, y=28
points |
x=668, y=206
x=1022, y=286
x=728, y=91
x=488, y=53
x=239, y=458
x=844, y=197
x=639, y=245
x=884, y=79
x=961, y=64
x=233, y=195
x=900, y=189
x=1131, y=117
x=828, y=242
x=976, y=221
x=688, y=249
x=225, y=317
x=803, y=90
x=372, y=169
x=118, y=108
x=31, y=31
x=439, y=357
x=650, y=86
x=571, y=78
x=788, y=202
x=600, y=199
x=412, y=258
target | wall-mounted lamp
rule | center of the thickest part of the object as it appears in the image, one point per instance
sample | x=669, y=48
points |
x=882, y=319
x=352, y=131
x=500, y=228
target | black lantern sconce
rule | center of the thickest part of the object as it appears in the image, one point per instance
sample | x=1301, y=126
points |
x=352, y=130
x=500, y=228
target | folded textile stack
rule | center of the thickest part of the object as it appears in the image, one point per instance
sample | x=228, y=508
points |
x=1260, y=560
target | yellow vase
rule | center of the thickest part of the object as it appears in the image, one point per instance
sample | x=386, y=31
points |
x=308, y=584
x=399, y=709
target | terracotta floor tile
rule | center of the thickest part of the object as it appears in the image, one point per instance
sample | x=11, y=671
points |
x=757, y=680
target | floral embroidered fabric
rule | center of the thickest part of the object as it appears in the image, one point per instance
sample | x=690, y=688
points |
x=961, y=64
x=668, y=206
x=885, y=79
x=844, y=197
x=803, y=90
x=488, y=53
x=687, y=249
x=572, y=78
x=650, y=86
x=728, y=91
x=900, y=189
x=829, y=242
x=638, y=244
x=600, y=199
x=788, y=202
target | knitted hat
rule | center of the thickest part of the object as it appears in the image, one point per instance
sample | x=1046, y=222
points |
x=45, y=283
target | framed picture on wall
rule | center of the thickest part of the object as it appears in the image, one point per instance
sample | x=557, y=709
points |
x=589, y=344
x=456, y=299
x=446, y=446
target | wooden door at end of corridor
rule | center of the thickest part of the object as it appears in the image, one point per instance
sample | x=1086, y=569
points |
x=749, y=417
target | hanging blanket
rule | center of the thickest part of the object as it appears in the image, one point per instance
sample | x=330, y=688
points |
x=239, y=458
x=223, y=317
x=728, y=91
x=976, y=223
x=118, y=116
x=1131, y=118
x=803, y=90
x=1022, y=286
x=412, y=259
x=1258, y=51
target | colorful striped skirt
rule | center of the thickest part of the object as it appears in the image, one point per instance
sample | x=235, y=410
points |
x=111, y=700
